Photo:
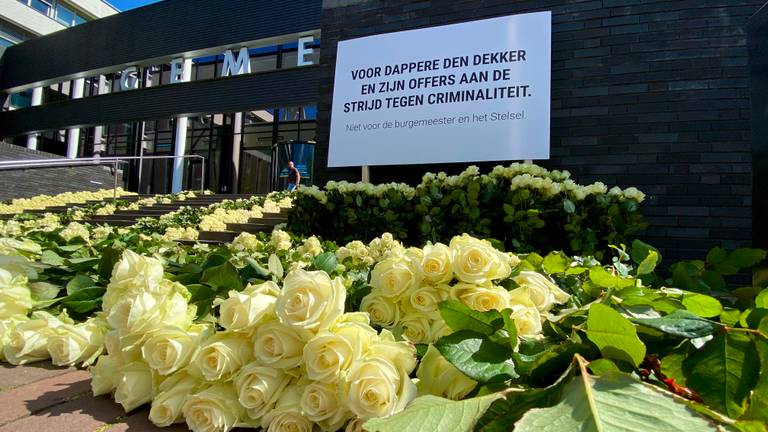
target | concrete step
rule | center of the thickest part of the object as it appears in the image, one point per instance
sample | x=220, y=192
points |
x=115, y=222
x=251, y=227
x=217, y=236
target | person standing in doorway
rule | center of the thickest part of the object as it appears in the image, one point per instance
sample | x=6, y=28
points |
x=294, y=177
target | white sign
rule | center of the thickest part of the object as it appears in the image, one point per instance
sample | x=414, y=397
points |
x=469, y=92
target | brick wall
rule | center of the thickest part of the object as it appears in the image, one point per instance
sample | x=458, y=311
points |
x=653, y=94
x=48, y=181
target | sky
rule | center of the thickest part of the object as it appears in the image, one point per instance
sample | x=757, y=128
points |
x=125, y=5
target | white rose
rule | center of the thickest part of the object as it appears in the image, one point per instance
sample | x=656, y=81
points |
x=244, y=310
x=310, y=300
x=437, y=376
x=214, y=409
x=135, y=385
x=402, y=354
x=15, y=297
x=481, y=298
x=394, y=276
x=436, y=263
x=169, y=349
x=376, y=388
x=222, y=355
x=83, y=342
x=104, y=374
x=133, y=270
x=139, y=315
x=167, y=405
x=259, y=387
x=28, y=341
x=541, y=291
x=6, y=326
x=418, y=328
x=527, y=320
x=278, y=345
x=322, y=404
x=426, y=298
x=476, y=261
x=286, y=415
x=383, y=310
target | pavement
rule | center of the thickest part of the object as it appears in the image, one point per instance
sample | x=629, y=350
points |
x=44, y=398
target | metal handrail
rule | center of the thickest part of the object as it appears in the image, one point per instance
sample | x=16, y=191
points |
x=49, y=163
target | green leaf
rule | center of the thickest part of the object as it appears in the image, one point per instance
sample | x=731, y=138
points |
x=109, y=257
x=260, y=271
x=51, y=258
x=746, y=257
x=325, y=262
x=84, y=300
x=717, y=255
x=761, y=301
x=435, y=414
x=723, y=372
x=517, y=402
x=224, y=276
x=640, y=251
x=275, y=266
x=702, y=305
x=78, y=283
x=614, y=335
x=649, y=264
x=603, y=366
x=681, y=323
x=555, y=262
x=758, y=403
x=613, y=402
x=458, y=316
x=602, y=277
x=477, y=357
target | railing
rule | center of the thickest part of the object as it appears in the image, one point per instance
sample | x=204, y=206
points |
x=114, y=161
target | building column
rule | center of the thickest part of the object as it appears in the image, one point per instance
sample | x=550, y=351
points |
x=237, y=141
x=73, y=134
x=37, y=99
x=98, y=131
x=180, y=136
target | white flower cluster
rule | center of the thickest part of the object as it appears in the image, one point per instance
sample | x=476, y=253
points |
x=359, y=255
x=314, y=192
x=26, y=340
x=516, y=169
x=288, y=359
x=42, y=201
x=408, y=288
x=378, y=190
x=74, y=230
x=179, y=233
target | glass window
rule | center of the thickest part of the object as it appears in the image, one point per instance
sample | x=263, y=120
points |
x=80, y=20
x=289, y=59
x=41, y=6
x=264, y=63
x=6, y=42
x=65, y=15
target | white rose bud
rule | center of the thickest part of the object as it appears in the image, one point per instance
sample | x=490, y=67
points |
x=426, y=298
x=104, y=374
x=321, y=404
x=394, y=276
x=384, y=311
x=527, y=320
x=541, y=291
x=214, y=409
x=476, y=261
x=173, y=392
x=28, y=341
x=222, y=355
x=481, y=298
x=132, y=271
x=244, y=310
x=135, y=385
x=15, y=297
x=6, y=326
x=82, y=342
x=278, y=345
x=310, y=300
x=259, y=387
x=402, y=354
x=376, y=388
x=418, y=328
x=286, y=415
x=139, y=315
x=437, y=376
x=169, y=349
x=436, y=263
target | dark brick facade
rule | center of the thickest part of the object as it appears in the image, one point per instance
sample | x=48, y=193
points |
x=653, y=94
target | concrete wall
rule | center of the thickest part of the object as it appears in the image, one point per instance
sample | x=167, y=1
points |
x=48, y=181
x=644, y=93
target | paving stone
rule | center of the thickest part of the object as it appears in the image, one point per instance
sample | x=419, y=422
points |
x=42, y=394
x=83, y=414
x=139, y=422
x=15, y=376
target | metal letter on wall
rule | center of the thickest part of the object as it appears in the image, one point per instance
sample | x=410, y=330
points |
x=239, y=66
x=305, y=51
x=177, y=71
x=129, y=78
